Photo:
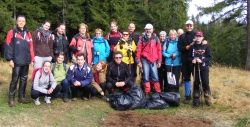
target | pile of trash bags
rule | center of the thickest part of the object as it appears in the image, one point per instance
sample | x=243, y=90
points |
x=135, y=99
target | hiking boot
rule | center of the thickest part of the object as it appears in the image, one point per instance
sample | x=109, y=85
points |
x=196, y=105
x=11, y=103
x=187, y=101
x=103, y=97
x=93, y=97
x=65, y=99
x=36, y=101
x=207, y=99
x=74, y=99
x=23, y=101
x=85, y=98
x=47, y=100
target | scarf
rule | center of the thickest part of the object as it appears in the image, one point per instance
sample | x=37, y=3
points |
x=96, y=77
x=45, y=34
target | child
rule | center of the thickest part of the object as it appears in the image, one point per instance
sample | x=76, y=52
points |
x=200, y=56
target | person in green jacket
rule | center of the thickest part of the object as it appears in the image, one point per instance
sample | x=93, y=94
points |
x=59, y=71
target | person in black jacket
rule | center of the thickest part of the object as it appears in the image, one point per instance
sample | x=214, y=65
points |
x=61, y=43
x=184, y=43
x=199, y=56
x=118, y=74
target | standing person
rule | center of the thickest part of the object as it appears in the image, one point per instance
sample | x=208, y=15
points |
x=99, y=79
x=82, y=43
x=19, y=53
x=61, y=43
x=184, y=43
x=118, y=74
x=172, y=61
x=135, y=36
x=127, y=46
x=113, y=38
x=101, y=47
x=161, y=71
x=149, y=57
x=59, y=70
x=200, y=56
x=80, y=76
x=43, y=44
x=44, y=84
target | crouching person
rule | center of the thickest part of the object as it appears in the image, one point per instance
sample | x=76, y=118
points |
x=118, y=74
x=79, y=77
x=44, y=84
x=99, y=79
x=200, y=56
x=59, y=71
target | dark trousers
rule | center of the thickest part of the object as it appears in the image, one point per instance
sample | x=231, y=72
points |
x=35, y=94
x=162, y=76
x=86, y=90
x=204, y=75
x=132, y=68
x=22, y=73
x=110, y=87
x=94, y=90
x=176, y=70
x=186, y=72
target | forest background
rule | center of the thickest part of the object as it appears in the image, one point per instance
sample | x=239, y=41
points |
x=226, y=33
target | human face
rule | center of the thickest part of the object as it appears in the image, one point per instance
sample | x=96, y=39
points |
x=180, y=32
x=162, y=37
x=125, y=35
x=118, y=58
x=82, y=30
x=173, y=36
x=80, y=61
x=20, y=22
x=149, y=31
x=61, y=29
x=46, y=26
x=189, y=27
x=98, y=34
x=199, y=38
x=131, y=27
x=60, y=59
x=113, y=27
x=46, y=67
x=99, y=67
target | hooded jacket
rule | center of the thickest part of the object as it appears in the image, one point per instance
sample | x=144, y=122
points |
x=122, y=45
x=171, y=49
x=100, y=45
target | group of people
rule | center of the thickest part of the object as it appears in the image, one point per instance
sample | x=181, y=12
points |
x=103, y=64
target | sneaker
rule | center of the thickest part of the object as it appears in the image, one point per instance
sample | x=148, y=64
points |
x=65, y=99
x=36, y=101
x=47, y=100
x=74, y=99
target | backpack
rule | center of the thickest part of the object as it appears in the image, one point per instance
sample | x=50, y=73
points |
x=34, y=73
x=54, y=66
x=109, y=35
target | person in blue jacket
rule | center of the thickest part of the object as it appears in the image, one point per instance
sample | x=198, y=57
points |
x=80, y=77
x=101, y=47
x=172, y=62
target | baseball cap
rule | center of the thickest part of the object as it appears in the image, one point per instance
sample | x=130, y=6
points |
x=189, y=22
x=163, y=33
x=199, y=33
x=148, y=26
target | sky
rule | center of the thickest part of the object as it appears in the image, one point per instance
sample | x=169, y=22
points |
x=204, y=3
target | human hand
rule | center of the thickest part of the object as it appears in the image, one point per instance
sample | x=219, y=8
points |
x=97, y=53
x=194, y=61
x=198, y=60
x=11, y=63
x=32, y=64
x=139, y=65
x=50, y=91
x=122, y=84
x=158, y=65
x=77, y=83
x=173, y=56
x=204, y=42
x=102, y=93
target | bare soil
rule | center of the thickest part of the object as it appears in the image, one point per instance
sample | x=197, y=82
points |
x=133, y=119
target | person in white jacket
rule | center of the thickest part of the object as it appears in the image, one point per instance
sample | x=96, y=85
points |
x=44, y=84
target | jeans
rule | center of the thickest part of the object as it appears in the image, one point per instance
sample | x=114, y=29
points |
x=65, y=88
x=35, y=94
x=86, y=90
x=149, y=69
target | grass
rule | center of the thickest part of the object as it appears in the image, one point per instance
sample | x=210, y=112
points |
x=230, y=104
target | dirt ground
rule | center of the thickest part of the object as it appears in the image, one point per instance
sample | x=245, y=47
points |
x=133, y=119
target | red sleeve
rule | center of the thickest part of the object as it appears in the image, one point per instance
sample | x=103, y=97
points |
x=159, y=51
x=73, y=42
x=9, y=37
x=138, y=51
x=107, y=37
x=31, y=47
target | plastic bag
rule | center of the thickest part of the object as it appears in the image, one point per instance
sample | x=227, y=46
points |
x=172, y=98
x=155, y=102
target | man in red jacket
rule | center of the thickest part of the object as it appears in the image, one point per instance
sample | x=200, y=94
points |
x=149, y=57
x=19, y=53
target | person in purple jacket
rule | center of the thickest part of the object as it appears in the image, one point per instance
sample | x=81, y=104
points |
x=79, y=77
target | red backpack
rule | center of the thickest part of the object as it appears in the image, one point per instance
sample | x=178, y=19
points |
x=34, y=73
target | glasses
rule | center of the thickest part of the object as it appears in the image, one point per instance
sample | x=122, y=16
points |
x=189, y=25
x=118, y=57
x=97, y=33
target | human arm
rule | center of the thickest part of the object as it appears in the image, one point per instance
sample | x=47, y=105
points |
x=70, y=75
x=107, y=49
x=36, y=82
x=108, y=75
x=97, y=86
x=8, y=48
x=138, y=53
x=72, y=45
x=88, y=78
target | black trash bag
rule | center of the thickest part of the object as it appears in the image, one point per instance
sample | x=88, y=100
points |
x=155, y=102
x=172, y=98
x=132, y=99
x=138, y=97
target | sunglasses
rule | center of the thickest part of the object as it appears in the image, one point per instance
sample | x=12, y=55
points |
x=97, y=33
x=189, y=25
x=118, y=57
x=125, y=34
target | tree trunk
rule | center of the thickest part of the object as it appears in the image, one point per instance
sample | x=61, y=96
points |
x=248, y=37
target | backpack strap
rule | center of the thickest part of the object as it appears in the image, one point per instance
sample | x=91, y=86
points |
x=64, y=66
x=53, y=68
